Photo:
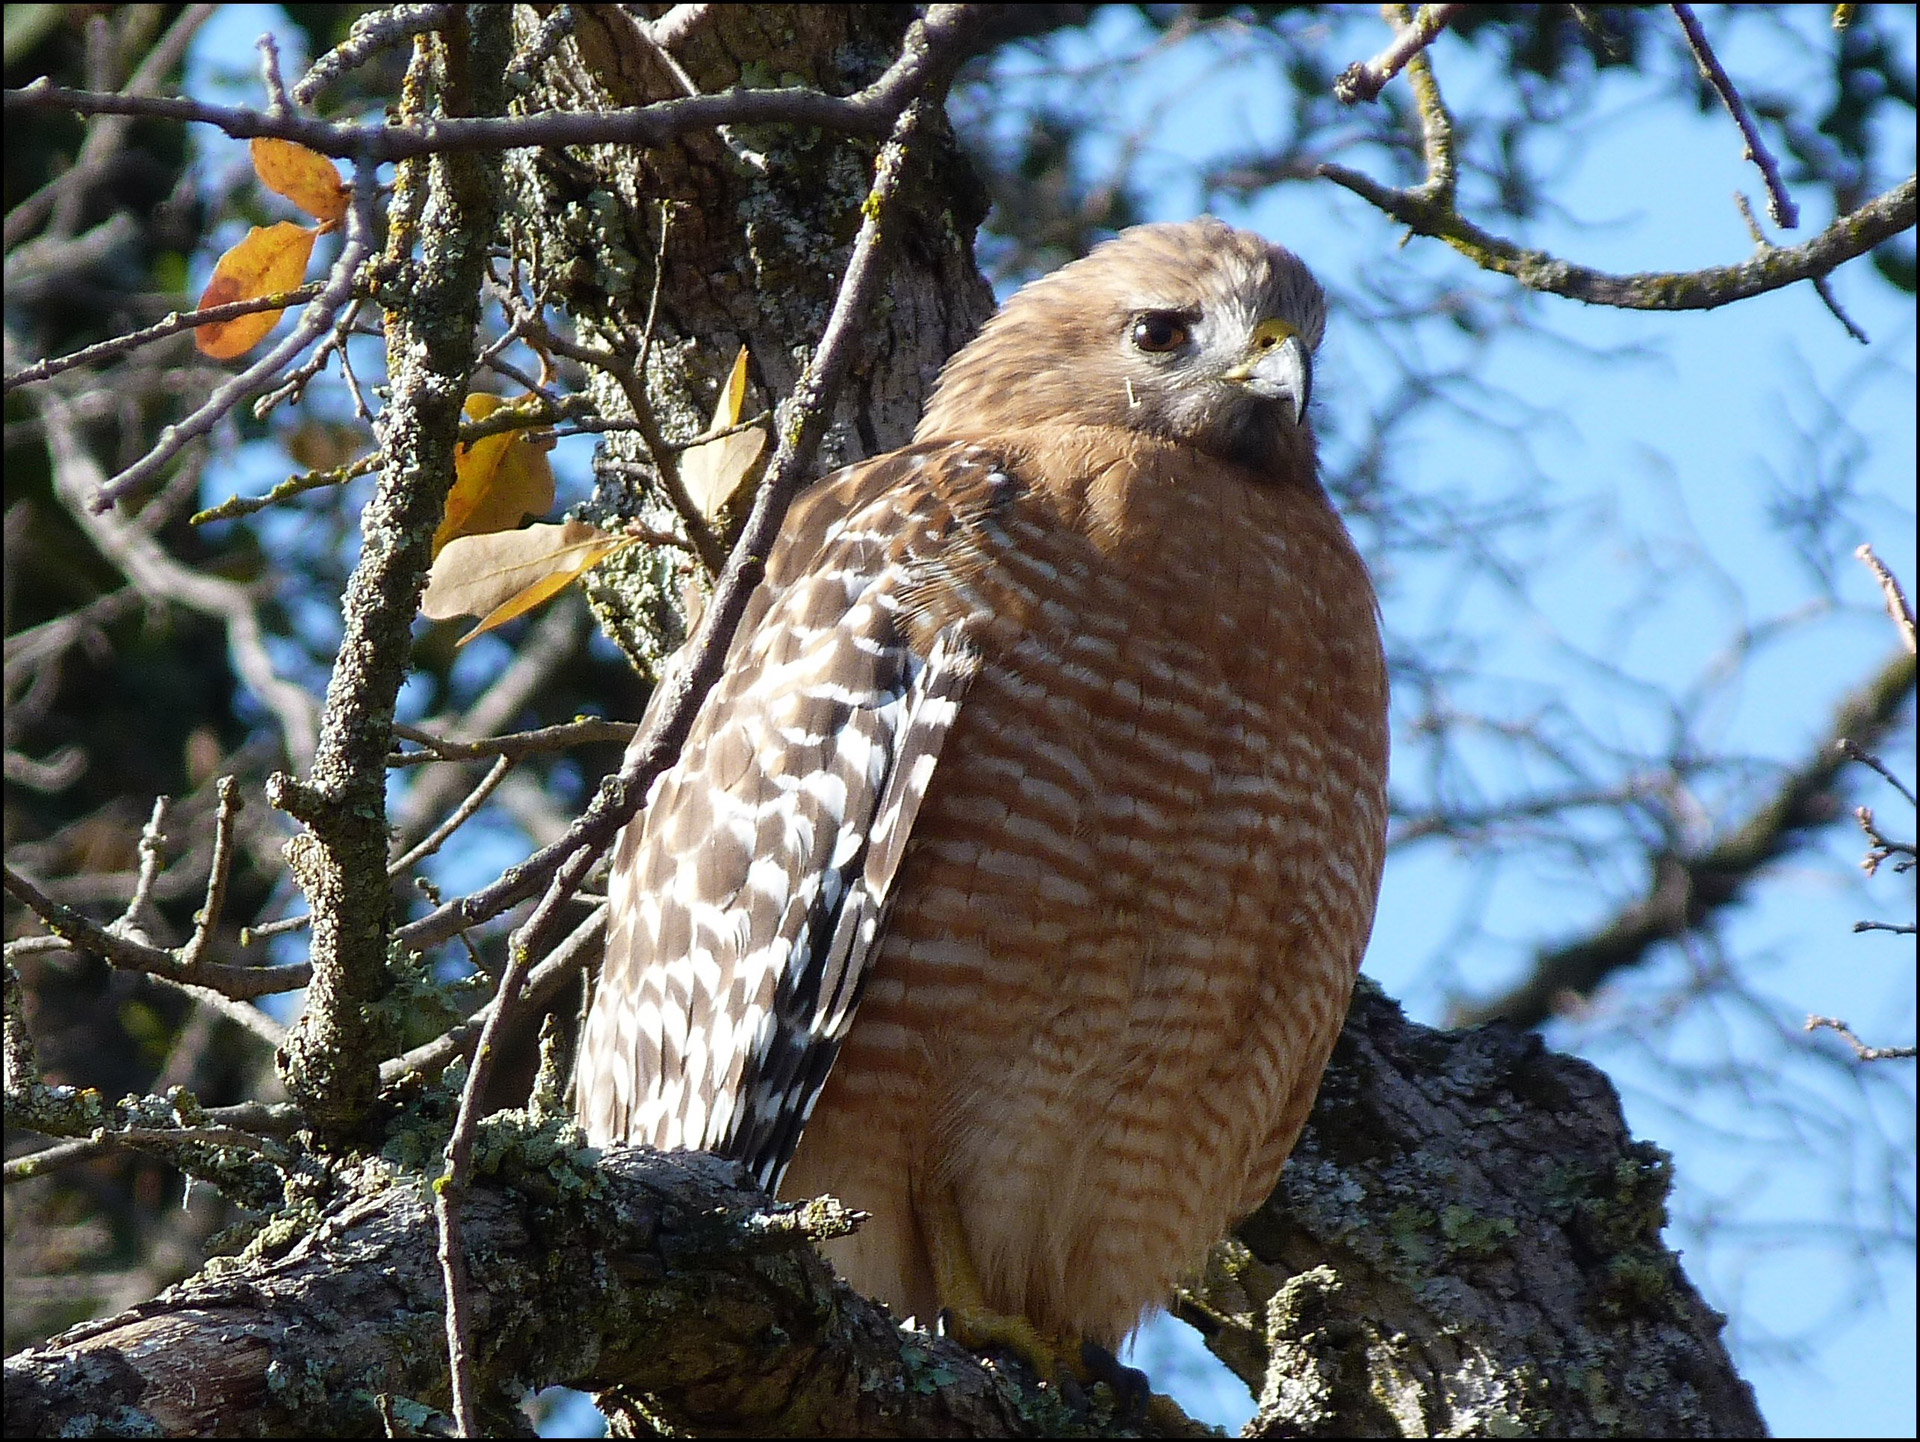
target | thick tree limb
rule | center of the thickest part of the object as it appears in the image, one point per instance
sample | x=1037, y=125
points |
x=681, y=1282
x=1537, y=1296
x=1466, y=1242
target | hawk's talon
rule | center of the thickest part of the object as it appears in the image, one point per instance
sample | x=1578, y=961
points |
x=1132, y=1391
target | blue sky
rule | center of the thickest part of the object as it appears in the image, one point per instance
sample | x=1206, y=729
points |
x=1671, y=455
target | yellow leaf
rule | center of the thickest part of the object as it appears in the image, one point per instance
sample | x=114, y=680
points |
x=271, y=259
x=306, y=177
x=498, y=481
x=507, y=573
x=714, y=471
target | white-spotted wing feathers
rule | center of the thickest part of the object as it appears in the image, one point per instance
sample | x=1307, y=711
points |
x=747, y=899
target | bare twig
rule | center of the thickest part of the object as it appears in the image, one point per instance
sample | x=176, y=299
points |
x=1821, y=287
x=1860, y=1048
x=518, y=746
x=1780, y=205
x=235, y=507
x=172, y=324
x=1874, y=763
x=236, y=983
x=461, y=815
x=1880, y=219
x=1365, y=80
x=217, y=872
x=1896, y=599
x=945, y=34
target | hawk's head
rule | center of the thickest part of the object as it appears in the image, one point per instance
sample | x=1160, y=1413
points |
x=1197, y=333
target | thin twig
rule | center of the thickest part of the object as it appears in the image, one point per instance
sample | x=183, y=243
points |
x=235, y=507
x=1896, y=599
x=461, y=815
x=1821, y=286
x=1365, y=80
x=1860, y=1048
x=153, y=857
x=171, y=324
x=518, y=746
x=1880, y=219
x=1869, y=760
x=947, y=33
x=1780, y=205
x=237, y=983
x=217, y=873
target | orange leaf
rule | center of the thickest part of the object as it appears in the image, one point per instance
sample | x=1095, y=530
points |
x=272, y=258
x=507, y=573
x=306, y=177
x=498, y=481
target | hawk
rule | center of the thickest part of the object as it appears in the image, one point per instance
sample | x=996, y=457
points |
x=1013, y=881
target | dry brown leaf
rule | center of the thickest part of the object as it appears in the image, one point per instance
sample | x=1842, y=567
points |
x=504, y=574
x=318, y=445
x=306, y=177
x=498, y=480
x=271, y=259
x=713, y=471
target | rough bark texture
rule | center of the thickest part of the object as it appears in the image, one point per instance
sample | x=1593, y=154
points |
x=670, y=1274
x=1466, y=1242
x=758, y=227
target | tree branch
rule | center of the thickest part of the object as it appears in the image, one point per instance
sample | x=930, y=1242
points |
x=1384, y=1314
x=681, y=1281
x=1466, y=1243
x=1880, y=219
x=1685, y=892
x=1364, y=80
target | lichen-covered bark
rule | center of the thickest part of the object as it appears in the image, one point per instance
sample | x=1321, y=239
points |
x=758, y=224
x=1466, y=1242
x=667, y=1274
x=331, y=1059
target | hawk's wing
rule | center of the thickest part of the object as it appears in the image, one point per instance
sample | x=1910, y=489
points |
x=748, y=898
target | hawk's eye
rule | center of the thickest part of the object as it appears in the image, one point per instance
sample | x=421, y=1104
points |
x=1158, y=332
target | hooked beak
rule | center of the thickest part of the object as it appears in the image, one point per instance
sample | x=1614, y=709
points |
x=1278, y=367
